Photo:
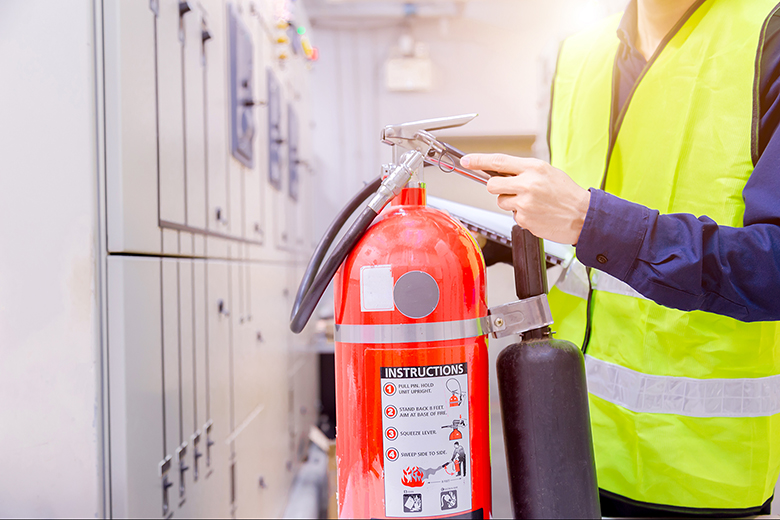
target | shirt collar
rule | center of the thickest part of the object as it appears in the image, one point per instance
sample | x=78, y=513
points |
x=627, y=30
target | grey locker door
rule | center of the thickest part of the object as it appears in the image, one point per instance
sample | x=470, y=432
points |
x=186, y=361
x=216, y=429
x=199, y=494
x=195, y=159
x=135, y=387
x=131, y=134
x=248, y=367
x=170, y=360
x=216, y=132
x=170, y=114
x=269, y=307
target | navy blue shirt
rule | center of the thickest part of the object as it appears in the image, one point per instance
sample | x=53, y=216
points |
x=679, y=260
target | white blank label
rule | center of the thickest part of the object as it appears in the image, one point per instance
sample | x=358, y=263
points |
x=376, y=288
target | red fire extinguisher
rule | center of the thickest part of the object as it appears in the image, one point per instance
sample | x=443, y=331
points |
x=407, y=305
x=412, y=404
x=410, y=313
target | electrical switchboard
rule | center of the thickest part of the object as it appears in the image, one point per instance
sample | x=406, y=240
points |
x=207, y=387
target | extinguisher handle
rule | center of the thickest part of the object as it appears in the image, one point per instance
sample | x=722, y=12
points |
x=530, y=271
x=529, y=262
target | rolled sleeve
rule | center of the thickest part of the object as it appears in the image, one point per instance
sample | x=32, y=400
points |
x=612, y=234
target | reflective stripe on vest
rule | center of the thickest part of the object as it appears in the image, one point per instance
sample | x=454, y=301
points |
x=643, y=393
x=683, y=146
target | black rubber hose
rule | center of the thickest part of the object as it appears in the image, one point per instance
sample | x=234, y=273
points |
x=330, y=235
x=332, y=264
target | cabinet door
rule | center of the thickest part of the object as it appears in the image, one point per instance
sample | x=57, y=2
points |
x=186, y=359
x=170, y=113
x=249, y=369
x=199, y=493
x=194, y=79
x=253, y=195
x=270, y=308
x=277, y=161
x=135, y=379
x=171, y=372
x=249, y=478
x=216, y=421
x=131, y=134
x=248, y=362
x=254, y=180
x=215, y=123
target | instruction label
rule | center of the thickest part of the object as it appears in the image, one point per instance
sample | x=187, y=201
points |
x=425, y=426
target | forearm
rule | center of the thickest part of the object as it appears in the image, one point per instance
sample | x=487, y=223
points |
x=683, y=262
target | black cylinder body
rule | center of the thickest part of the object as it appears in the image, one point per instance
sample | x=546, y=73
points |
x=544, y=407
x=549, y=449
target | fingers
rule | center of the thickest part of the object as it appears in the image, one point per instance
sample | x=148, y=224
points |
x=514, y=204
x=498, y=162
x=508, y=202
x=505, y=185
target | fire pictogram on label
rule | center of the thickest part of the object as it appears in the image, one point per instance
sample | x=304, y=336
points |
x=413, y=477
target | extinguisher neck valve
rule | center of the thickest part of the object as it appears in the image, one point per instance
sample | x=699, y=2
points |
x=396, y=180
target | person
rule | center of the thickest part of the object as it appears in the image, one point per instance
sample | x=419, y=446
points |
x=664, y=175
x=460, y=454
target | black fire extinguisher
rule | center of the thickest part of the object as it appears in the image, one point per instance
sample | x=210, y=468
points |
x=544, y=406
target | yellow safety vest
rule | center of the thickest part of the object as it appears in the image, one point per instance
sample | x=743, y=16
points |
x=685, y=406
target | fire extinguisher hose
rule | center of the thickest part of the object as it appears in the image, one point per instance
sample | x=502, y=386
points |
x=381, y=192
x=307, y=282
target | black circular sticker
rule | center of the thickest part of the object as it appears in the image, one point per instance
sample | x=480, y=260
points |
x=416, y=294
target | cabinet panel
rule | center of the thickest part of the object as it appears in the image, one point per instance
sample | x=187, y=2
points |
x=201, y=372
x=253, y=195
x=215, y=117
x=248, y=363
x=216, y=426
x=131, y=134
x=269, y=309
x=241, y=118
x=249, y=487
x=170, y=360
x=194, y=78
x=186, y=381
x=256, y=177
x=170, y=108
x=136, y=383
x=236, y=190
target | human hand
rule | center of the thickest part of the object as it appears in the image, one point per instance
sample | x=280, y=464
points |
x=544, y=200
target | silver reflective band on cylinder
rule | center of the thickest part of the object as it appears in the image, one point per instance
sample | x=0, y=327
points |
x=412, y=332
x=687, y=396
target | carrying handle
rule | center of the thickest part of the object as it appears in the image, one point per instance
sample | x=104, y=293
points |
x=530, y=270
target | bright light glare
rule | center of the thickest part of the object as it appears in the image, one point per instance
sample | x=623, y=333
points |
x=589, y=12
